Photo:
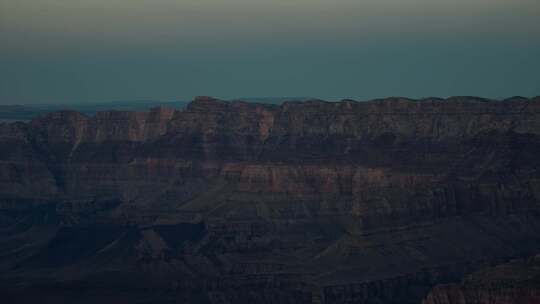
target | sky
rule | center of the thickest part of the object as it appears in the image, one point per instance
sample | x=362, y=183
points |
x=81, y=51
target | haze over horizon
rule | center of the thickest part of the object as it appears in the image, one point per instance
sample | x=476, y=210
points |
x=87, y=51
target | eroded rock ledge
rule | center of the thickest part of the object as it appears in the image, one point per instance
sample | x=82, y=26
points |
x=517, y=282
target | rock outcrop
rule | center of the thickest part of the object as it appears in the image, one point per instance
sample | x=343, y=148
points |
x=517, y=282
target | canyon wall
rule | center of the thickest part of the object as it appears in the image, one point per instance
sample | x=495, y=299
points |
x=511, y=283
x=329, y=202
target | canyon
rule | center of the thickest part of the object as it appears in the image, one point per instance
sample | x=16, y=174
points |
x=385, y=201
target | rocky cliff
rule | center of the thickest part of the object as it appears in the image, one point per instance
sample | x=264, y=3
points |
x=331, y=202
x=517, y=282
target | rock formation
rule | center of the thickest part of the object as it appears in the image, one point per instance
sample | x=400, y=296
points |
x=235, y=202
x=516, y=282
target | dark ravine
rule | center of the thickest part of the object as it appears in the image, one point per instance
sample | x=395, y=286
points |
x=236, y=202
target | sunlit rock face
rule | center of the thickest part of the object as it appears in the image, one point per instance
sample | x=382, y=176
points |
x=326, y=202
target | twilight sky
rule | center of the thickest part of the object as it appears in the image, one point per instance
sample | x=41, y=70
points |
x=102, y=50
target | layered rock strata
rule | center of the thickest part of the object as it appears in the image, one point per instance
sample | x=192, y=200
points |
x=329, y=202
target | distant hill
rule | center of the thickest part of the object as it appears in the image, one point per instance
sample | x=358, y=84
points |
x=11, y=113
x=273, y=100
